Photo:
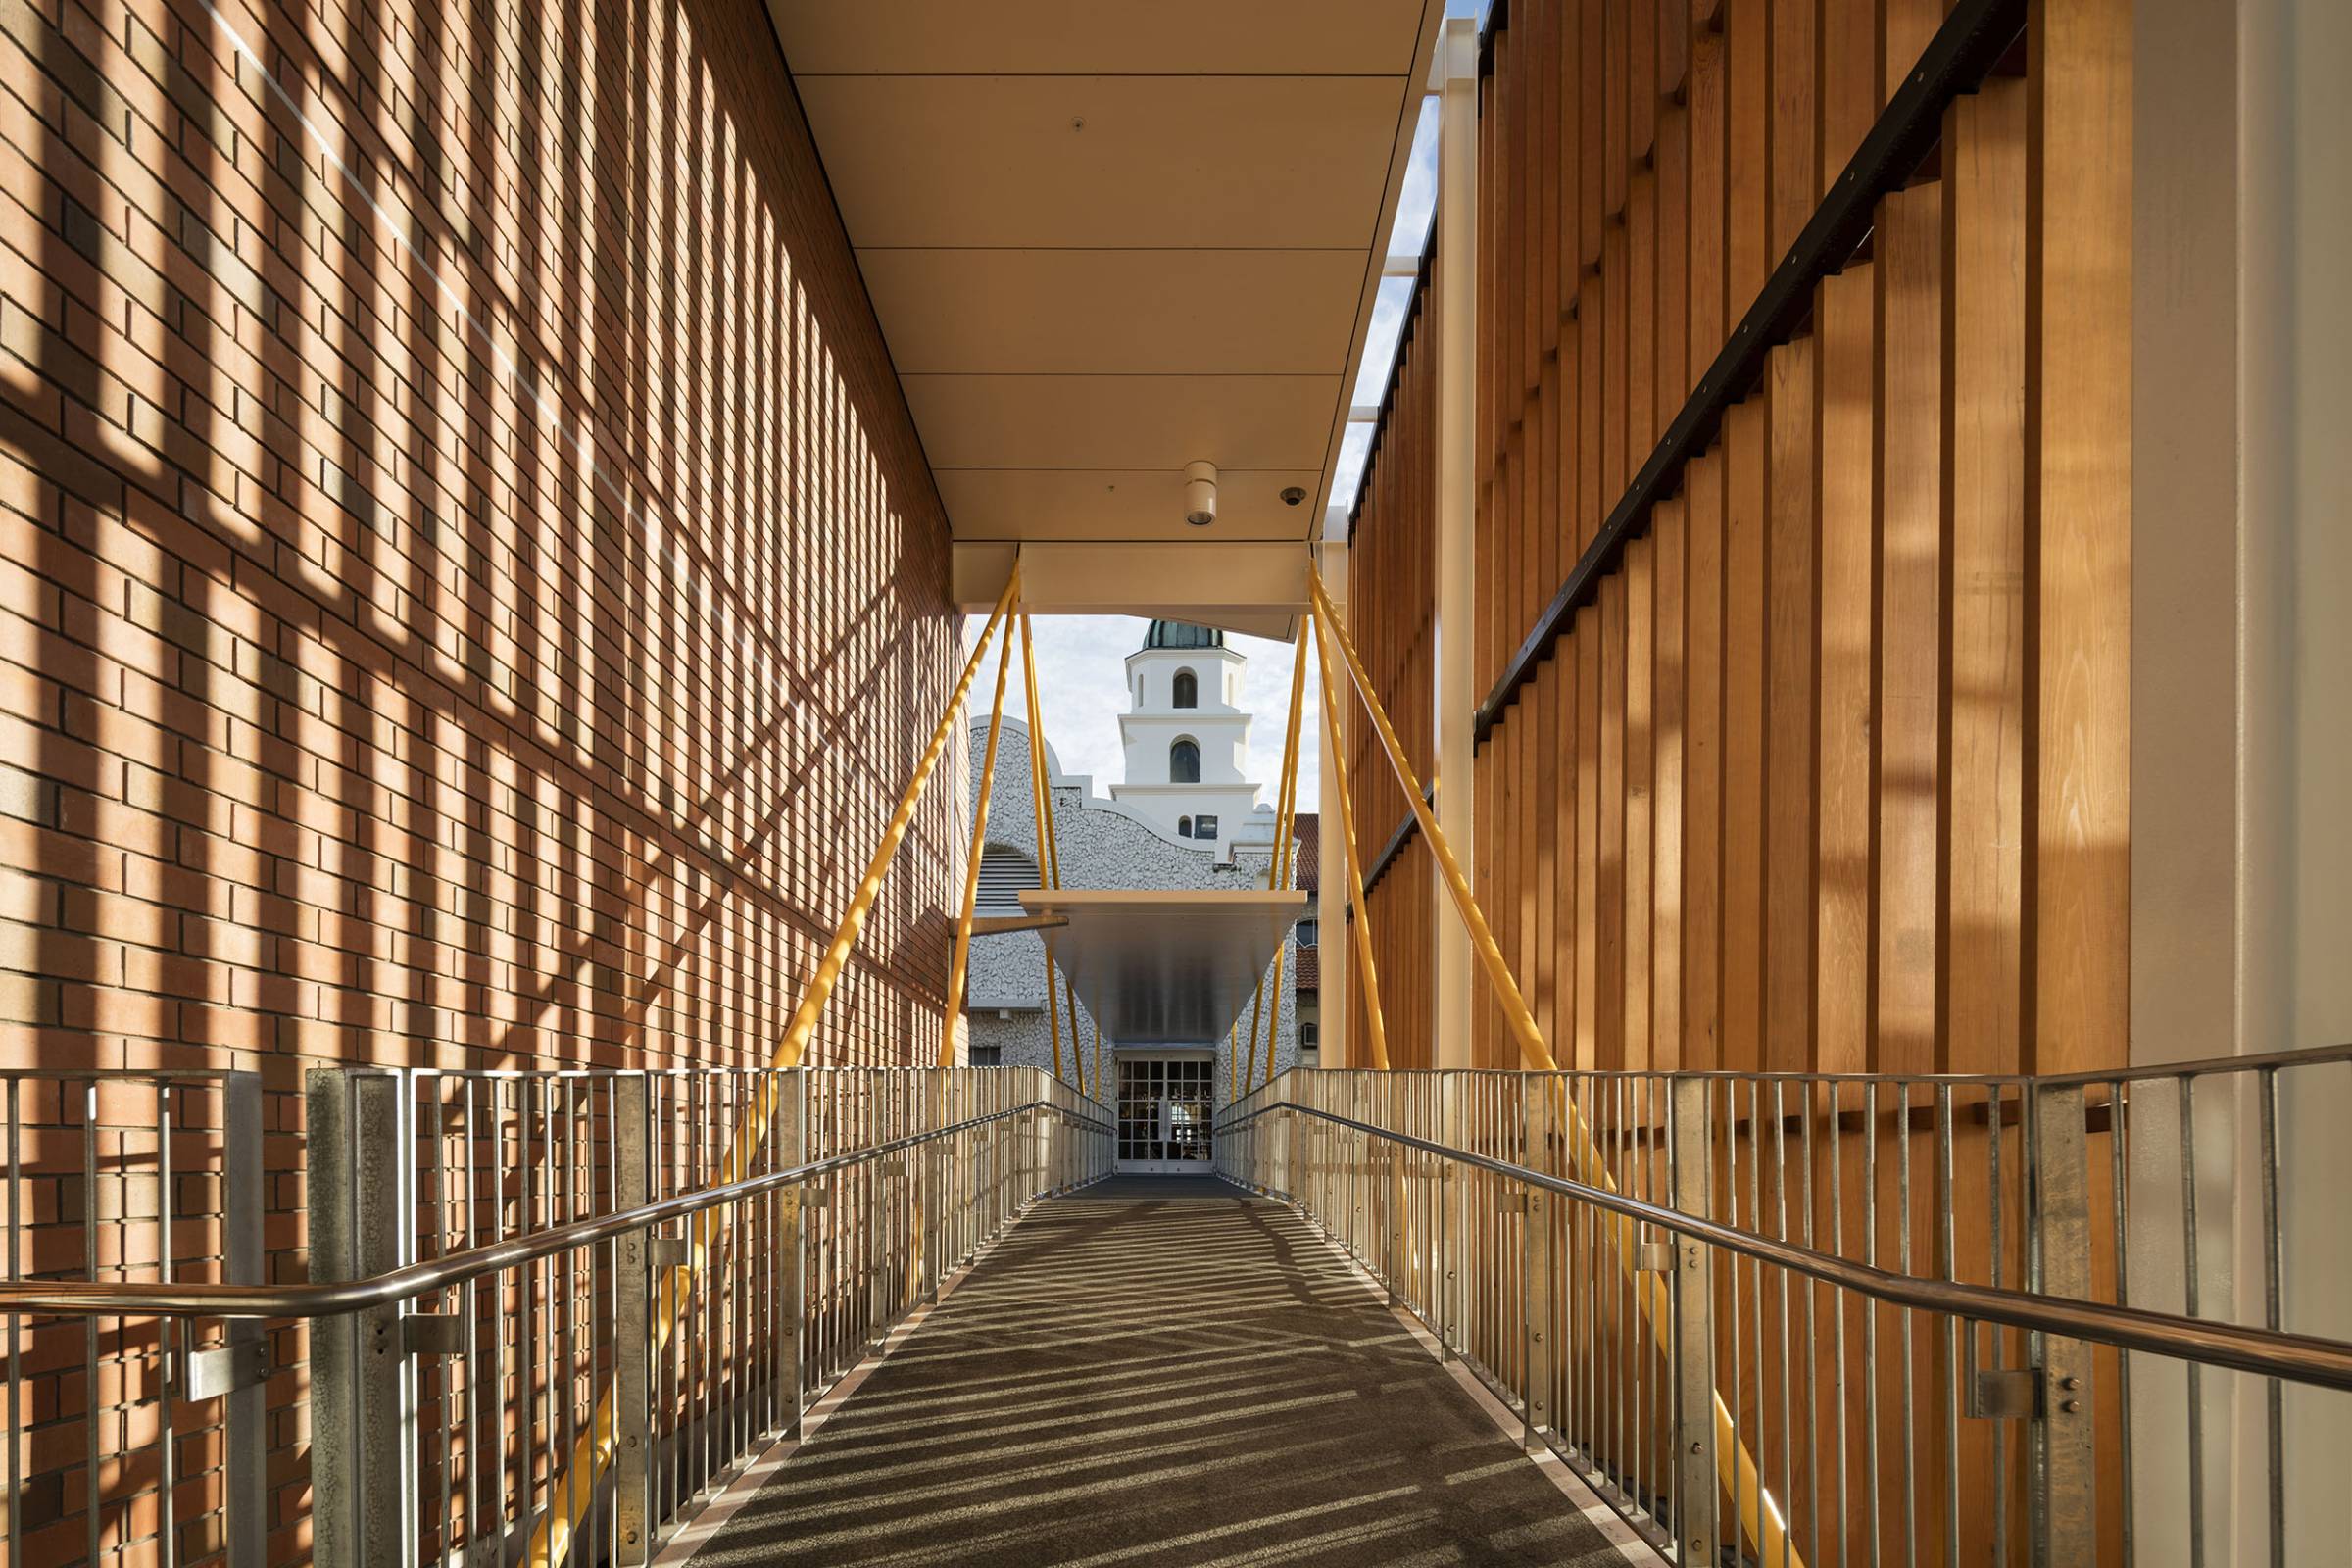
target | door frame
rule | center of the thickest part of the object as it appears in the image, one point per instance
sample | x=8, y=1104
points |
x=1125, y=1057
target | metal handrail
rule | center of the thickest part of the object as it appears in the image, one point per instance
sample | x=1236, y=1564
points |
x=2143, y=1072
x=334, y=1298
x=2268, y=1352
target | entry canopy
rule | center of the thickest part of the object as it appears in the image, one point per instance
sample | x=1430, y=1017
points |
x=1166, y=968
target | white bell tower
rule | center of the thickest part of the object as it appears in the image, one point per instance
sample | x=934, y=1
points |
x=1185, y=736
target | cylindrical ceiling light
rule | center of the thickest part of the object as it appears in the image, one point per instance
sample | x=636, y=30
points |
x=1199, y=494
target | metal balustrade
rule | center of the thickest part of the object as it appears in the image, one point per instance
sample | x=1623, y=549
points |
x=125, y=1176
x=1773, y=1319
x=549, y=1314
x=1980, y=1319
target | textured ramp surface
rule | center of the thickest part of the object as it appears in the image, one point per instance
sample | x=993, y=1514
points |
x=1165, y=1372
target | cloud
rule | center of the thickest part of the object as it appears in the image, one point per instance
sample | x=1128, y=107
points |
x=1082, y=685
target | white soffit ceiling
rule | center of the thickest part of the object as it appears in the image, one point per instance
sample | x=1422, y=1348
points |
x=1108, y=237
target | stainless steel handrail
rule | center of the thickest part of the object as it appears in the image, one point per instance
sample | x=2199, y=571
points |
x=2268, y=1352
x=2143, y=1072
x=88, y=1299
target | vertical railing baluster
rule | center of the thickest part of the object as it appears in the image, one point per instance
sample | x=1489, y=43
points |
x=2191, y=1305
x=1947, y=1267
x=93, y=1515
x=16, y=1230
x=1995, y=1104
x=788, y=1129
x=1780, y=1229
x=1541, y=1126
x=2119, y=1170
x=2274, y=1398
x=168, y=1334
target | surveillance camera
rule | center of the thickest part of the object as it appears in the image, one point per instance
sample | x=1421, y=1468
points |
x=1292, y=495
x=1199, y=493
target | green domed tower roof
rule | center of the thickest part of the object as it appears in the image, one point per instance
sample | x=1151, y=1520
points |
x=1182, y=634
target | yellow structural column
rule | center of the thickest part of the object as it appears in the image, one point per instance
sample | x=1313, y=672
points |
x=592, y=1452
x=1366, y=974
x=960, y=969
x=1760, y=1516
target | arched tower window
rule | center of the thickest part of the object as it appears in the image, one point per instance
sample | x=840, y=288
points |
x=1184, y=764
x=1188, y=690
x=1184, y=827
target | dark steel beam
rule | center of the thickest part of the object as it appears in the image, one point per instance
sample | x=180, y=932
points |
x=1965, y=50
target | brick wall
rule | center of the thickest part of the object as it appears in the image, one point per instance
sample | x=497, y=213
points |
x=469, y=590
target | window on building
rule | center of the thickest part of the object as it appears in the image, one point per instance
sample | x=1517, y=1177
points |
x=1188, y=690
x=1184, y=764
x=1184, y=827
x=1306, y=932
x=1204, y=827
x=1006, y=873
x=988, y=1055
x=1309, y=1054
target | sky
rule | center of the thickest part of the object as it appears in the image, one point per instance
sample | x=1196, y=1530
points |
x=1082, y=685
x=1416, y=204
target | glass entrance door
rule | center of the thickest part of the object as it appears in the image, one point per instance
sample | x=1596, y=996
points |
x=1164, y=1110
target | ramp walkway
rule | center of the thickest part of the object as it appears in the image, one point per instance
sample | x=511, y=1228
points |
x=1162, y=1371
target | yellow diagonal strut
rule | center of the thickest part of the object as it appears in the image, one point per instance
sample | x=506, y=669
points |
x=591, y=1454
x=1759, y=1517
x=1376, y=1029
x=961, y=969
x=1278, y=874
x=1049, y=857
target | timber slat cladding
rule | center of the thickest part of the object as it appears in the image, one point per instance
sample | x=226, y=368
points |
x=1782, y=791
x=1393, y=587
x=1828, y=771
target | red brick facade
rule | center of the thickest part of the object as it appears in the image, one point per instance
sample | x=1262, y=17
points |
x=469, y=589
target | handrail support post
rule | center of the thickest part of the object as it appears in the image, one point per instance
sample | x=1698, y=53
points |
x=2062, y=1464
x=362, y=1444
x=1538, y=1090
x=1695, y=1487
x=1452, y=1195
x=632, y=1325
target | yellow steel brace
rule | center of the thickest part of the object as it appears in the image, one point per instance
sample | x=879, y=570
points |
x=1367, y=975
x=961, y=969
x=1760, y=1516
x=592, y=1454
x=1278, y=874
x=1278, y=871
x=1049, y=857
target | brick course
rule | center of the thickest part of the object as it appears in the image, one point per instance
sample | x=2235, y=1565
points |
x=469, y=589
